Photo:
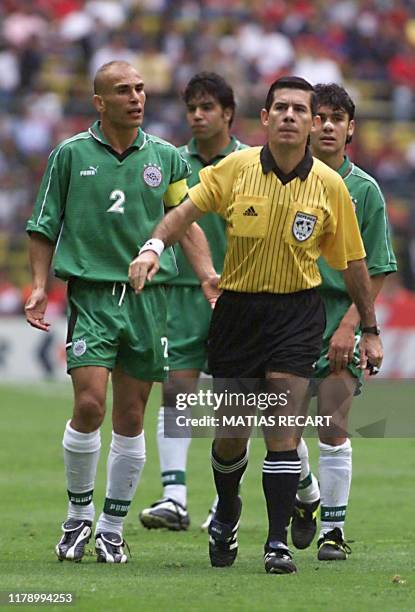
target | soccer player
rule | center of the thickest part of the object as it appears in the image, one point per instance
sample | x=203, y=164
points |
x=101, y=195
x=210, y=110
x=337, y=370
x=283, y=209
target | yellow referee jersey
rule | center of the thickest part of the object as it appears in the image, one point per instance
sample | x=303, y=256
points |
x=278, y=225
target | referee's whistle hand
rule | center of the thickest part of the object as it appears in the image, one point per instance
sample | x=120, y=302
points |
x=142, y=269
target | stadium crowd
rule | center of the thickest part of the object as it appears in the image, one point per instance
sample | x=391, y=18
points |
x=49, y=50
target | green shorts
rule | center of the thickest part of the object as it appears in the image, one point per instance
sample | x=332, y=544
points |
x=188, y=321
x=109, y=325
x=336, y=306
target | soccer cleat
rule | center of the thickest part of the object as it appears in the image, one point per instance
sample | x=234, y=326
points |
x=109, y=548
x=165, y=513
x=205, y=525
x=304, y=523
x=223, y=540
x=332, y=547
x=278, y=559
x=76, y=534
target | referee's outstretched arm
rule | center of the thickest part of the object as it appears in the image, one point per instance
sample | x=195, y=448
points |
x=172, y=228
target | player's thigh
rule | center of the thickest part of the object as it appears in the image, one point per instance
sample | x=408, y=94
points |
x=90, y=390
x=143, y=345
x=93, y=325
x=188, y=320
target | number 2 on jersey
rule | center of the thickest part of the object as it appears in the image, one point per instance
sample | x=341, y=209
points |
x=118, y=197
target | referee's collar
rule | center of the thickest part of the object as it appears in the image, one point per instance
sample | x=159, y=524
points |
x=302, y=169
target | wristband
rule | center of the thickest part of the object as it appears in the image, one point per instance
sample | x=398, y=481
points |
x=154, y=244
x=371, y=329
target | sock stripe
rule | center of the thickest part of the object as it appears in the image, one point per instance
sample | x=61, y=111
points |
x=227, y=469
x=285, y=463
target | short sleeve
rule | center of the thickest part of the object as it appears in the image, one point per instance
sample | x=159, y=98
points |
x=49, y=207
x=213, y=193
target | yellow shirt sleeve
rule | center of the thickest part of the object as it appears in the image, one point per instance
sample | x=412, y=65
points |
x=213, y=193
x=175, y=194
x=341, y=241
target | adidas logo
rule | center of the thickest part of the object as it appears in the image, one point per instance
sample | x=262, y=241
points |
x=250, y=212
x=90, y=172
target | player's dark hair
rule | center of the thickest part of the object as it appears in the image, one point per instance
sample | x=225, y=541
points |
x=337, y=98
x=214, y=85
x=292, y=82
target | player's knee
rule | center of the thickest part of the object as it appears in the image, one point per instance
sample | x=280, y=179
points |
x=332, y=440
x=229, y=448
x=89, y=410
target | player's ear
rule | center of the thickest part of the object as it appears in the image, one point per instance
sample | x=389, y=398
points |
x=264, y=117
x=227, y=114
x=350, y=131
x=98, y=103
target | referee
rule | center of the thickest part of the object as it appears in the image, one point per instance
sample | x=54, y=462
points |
x=283, y=209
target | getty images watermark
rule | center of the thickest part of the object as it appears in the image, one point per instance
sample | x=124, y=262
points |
x=234, y=412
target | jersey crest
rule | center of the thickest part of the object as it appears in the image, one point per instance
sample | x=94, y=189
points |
x=303, y=226
x=152, y=175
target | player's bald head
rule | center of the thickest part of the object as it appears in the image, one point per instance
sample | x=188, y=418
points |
x=108, y=73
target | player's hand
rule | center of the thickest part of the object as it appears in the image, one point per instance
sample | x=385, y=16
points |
x=371, y=350
x=142, y=269
x=35, y=309
x=210, y=289
x=341, y=348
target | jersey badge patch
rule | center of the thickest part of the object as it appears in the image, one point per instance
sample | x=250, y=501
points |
x=152, y=175
x=79, y=348
x=303, y=226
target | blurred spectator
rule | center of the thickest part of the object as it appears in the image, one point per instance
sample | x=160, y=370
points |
x=314, y=62
x=10, y=298
x=115, y=49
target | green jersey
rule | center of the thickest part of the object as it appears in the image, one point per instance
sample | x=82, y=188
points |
x=373, y=223
x=213, y=226
x=99, y=207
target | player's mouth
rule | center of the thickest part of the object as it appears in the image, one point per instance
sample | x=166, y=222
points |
x=327, y=140
x=135, y=112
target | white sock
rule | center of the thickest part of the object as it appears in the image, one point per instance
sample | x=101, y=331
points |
x=308, y=490
x=125, y=464
x=335, y=468
x=173, y=459
x=80, y=455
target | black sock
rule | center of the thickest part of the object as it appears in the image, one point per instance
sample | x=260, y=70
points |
x=227, y=475
x=280, y=477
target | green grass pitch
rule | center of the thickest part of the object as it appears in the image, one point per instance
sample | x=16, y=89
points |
x=171, y=571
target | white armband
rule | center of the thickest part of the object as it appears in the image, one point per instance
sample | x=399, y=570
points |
x=154, y=244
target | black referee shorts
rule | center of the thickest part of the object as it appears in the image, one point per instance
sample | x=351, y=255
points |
x=254, y=333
